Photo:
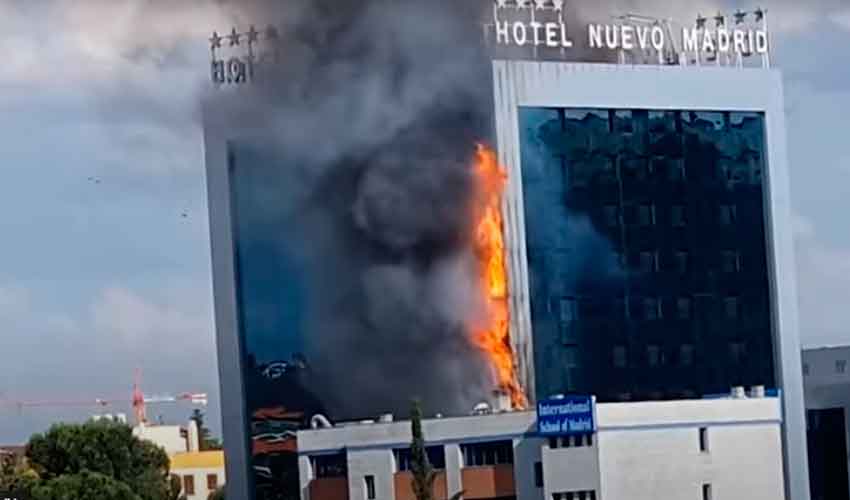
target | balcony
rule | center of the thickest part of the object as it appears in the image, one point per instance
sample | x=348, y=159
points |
x=329, y=488
x=404, y=486
x=492, y=481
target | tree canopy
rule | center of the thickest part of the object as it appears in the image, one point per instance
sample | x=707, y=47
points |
x=95, y=460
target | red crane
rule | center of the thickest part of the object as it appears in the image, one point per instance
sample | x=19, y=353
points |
x=139, y=401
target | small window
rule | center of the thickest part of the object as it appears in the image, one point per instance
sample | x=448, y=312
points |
x=568, y=310
x=553, y=443
x=189, y=485
x=840, y=366
x=436, y=457
x=332, y=465
x=683, y=308
x=737, y=351
x=651, y=308
x=649, y=262
x=653, y=355
x=612, y=215
x=677, y=216
x=731, y=305
x=706, y=492
x=677, y=172
x=538, y=474
x=489, y=453
x=686, y=355
x=588, y=439
x=681, y=259
x=370, y=487
x=620, y=356
x=212, y=482
x=731, y=261
x=728, y=215
x=646, y=215
x=703, y=439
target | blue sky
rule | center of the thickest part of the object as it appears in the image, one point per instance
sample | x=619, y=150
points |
x=99, y=278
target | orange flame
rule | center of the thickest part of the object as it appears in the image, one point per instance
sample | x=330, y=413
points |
x=494, y=338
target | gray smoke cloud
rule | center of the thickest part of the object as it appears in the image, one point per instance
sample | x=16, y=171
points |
x=372, y=119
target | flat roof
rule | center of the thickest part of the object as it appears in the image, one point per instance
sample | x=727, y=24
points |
x=197, y=460
x=509, y=425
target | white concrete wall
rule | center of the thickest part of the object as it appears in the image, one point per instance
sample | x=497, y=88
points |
x=376, y=462
x=641, y=451
x=200, y=475
x=571, y=469
x=165, y=436
x=527, y=452
x=825, y=387
x=652, y=450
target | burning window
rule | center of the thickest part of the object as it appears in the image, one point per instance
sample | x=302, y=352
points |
x=493, y=338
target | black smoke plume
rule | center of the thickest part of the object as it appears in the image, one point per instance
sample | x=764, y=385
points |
x=370, y=122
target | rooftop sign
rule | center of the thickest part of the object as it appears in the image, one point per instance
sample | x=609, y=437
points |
x=723, y=40
x=565, y=416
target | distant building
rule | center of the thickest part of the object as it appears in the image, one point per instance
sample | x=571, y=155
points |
x=200, y=472
x=172, y=438
x=698, y=449
x=12, y=450
x=826, y=376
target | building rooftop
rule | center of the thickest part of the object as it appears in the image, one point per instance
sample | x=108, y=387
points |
x=609, y=416
x=198, y=460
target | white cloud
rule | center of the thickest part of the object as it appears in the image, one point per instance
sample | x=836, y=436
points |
x=13, y=301
x=823, y=278
x=131, y=319
x=841, y=18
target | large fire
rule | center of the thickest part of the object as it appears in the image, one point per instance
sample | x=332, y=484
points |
x=493, y=338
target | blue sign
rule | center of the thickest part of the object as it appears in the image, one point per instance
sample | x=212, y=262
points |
x=566, y=416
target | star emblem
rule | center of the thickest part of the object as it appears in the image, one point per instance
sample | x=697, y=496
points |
x=541, y=4
x=271, y=33
x=759, y=14
x=701, y=22
x=253, y=34
x=502, y=3
x=233, y=37
x=215, y=41
x=720, y=19
x=559, y=4
x=740, y=16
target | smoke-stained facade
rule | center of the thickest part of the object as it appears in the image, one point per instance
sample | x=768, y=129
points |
x=647, y=256
x=649, y=239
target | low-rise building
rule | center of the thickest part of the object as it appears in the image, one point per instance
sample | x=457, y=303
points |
x=826, y=379
x=200, y=472
x=729, y=448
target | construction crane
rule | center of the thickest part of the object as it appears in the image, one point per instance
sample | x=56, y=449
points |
x=139, y=401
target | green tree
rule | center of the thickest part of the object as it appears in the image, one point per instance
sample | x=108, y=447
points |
x=207, y=442
x=217, y=494
x=16, y=475
x=81, y=455
x=423, y=473
x=84, y=485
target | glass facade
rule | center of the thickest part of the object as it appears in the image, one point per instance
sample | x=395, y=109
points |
x=276, y=374
x=647, y=256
